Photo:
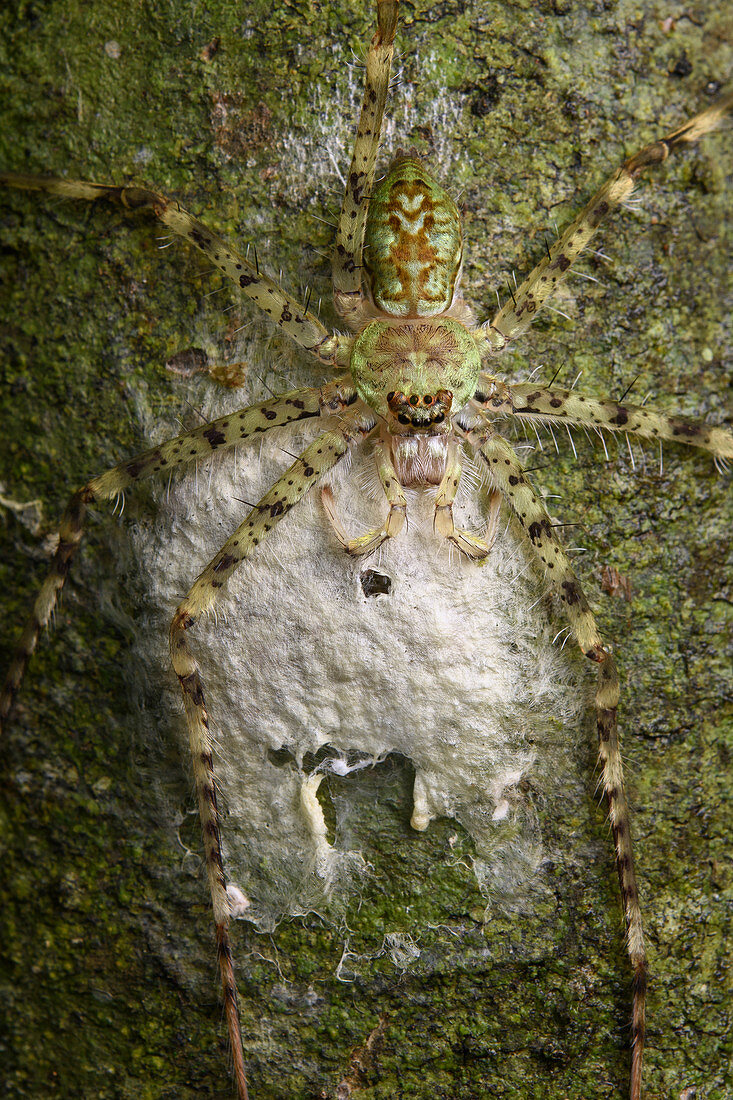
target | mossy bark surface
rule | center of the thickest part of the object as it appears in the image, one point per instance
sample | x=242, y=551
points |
x=108, y=984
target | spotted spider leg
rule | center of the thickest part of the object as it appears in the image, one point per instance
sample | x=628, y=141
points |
x=416, y=366
x=543, y=405
x=508, y=476
x=315, y=462
x=285, y=311
x=218, y=436
x=518, y=313
x=347, y=261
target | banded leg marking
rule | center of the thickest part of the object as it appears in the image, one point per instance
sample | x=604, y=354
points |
x=70, y=533
x=320, y=457
x=612, y=777
x=528, y=402
x=352, y=220
x=206, y=795
x=220, y=435
x=509, y=477
x=292, y=317
x=519, y=312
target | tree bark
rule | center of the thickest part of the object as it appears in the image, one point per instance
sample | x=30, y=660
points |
x=243, y=112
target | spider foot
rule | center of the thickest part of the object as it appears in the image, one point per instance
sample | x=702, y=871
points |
x=475, y=547
x=370, y=540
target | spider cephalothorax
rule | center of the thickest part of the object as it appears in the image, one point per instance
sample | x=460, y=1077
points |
x=420, y=359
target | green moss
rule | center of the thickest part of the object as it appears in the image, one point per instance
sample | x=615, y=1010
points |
x=108, y=977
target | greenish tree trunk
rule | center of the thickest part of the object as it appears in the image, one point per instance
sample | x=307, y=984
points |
x=244, y=112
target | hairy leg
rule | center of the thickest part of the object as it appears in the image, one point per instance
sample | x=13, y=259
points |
x=524, y=304
x=220, y=435
x=546, y=405
x=320, y=457
x=473, y=546
x=509, y=477
x=350, y=231
x=294, y=318
x=396, y=516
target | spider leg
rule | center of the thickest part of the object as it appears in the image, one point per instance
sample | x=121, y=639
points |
x=347, y=292
x=220, y=435
x=292, y=317
x=320, y=457
x=471, y=545
x=509, y=477
x=396, y=516
x=519, y=312
x=534, y=403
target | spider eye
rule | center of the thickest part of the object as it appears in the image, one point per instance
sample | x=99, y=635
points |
x=439, y=418
x=390, y=395
x=414, y=399
x=404, y=419
x=427, y=399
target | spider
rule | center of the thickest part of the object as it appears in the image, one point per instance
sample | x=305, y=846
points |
x=406, y=408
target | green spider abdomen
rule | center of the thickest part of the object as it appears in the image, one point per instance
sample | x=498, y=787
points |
x=413, y=244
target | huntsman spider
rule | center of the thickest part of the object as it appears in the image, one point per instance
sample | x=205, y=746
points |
x=416, y=378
